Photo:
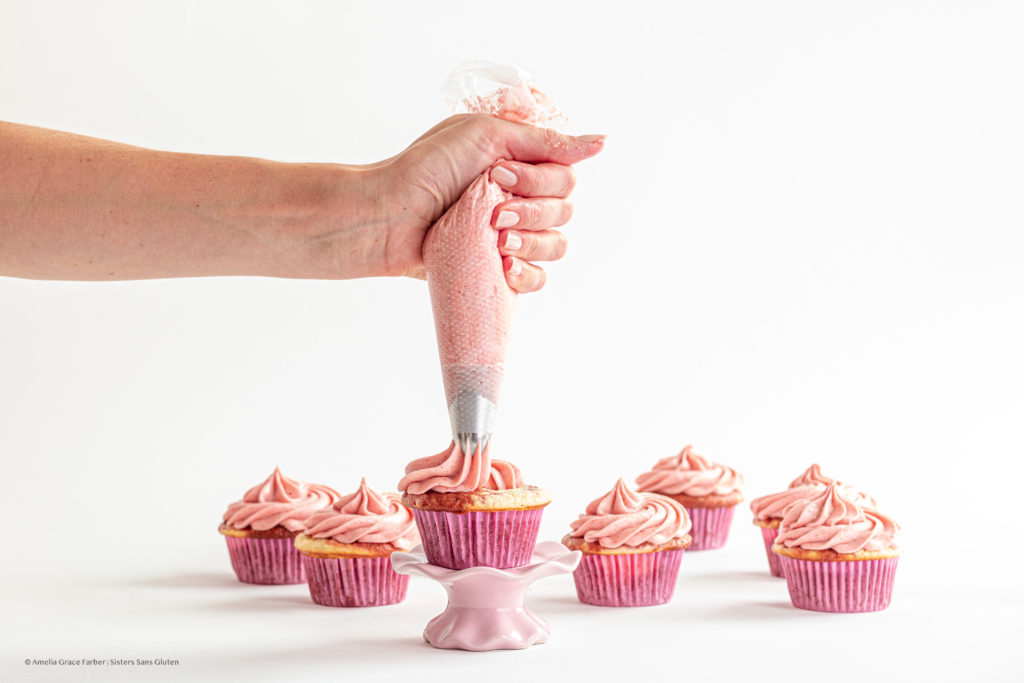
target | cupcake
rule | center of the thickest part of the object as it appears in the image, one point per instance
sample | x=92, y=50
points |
x=346, y=550
x=707, y=490
x=837, y=555
x=471, y=510
x=261, y=528
x=768, y=509
x=632, y=544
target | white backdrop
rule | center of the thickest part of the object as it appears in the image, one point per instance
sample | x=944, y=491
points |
x=802, y=244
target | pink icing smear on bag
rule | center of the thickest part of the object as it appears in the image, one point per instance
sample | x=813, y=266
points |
x=472, y=302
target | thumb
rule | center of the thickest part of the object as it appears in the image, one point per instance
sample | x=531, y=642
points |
x=534, y=145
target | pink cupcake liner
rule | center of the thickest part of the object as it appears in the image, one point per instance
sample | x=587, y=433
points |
x=265, y=560
x=632, y=580
x=773, y=560
x=853, y=586
x=501, y=539
x=354, y=581
x=710, y=527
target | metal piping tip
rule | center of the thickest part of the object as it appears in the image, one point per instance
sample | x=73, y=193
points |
x=472, y=443
x=472, y=419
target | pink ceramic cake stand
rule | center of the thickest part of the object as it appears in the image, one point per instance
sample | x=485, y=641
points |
x=485, y=605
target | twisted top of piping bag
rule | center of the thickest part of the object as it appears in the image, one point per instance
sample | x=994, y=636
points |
x=502, y=90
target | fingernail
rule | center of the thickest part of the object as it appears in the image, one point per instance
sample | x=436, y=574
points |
x=516, y=268
x=506, y=219
x=591, y=138
x=503, y=176
x=513, y=241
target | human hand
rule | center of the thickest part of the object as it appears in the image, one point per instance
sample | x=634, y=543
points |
x=414, y=188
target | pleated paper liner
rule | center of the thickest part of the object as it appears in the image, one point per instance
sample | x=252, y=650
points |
x=627, y=580
x=840, y=586
x=354, y=581
x=710, y=527
x=501, y=539
x=265, y=560
x=769, y=534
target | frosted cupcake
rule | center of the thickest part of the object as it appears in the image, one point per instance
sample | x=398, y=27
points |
x=768, y=510
x=632, y=544
x=707, y=490
x=346, y=550
x=472, y=510
x=260, y=529
x=836, y=555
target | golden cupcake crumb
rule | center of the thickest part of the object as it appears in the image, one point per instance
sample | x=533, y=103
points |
x=329, y=548
x=833, y=556
x=575, y=543
x=273, y=532
x=479, y=500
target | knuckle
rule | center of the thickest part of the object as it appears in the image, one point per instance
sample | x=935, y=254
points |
x=528, y=181
x=538, y=279
x=479, y=121
x=561, y=245
x=532, y=213
x=481, y=127
x=529, y=247
x=567, y=211
x=570, y=179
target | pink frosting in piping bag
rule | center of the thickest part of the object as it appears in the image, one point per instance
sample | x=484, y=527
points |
x=472, y=303
x=690, y=474
x=366, y=517
x=624, y=517
x=831, y=520
x=279, y=501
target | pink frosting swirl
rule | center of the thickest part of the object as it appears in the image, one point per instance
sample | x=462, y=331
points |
x=504, y=475
x=831, y=520
x=624, y=517
x=279, y=501
x=451, y=471
x=366, y=517
x=690, y=474
x=774, y=505
x=812, y=476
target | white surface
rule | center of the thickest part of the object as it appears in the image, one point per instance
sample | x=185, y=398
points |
x=803, y=243
x=729, y=620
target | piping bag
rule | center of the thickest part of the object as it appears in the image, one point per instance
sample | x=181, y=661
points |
x=472, y=302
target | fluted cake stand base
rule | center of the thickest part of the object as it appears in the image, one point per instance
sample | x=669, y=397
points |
x=485, y=605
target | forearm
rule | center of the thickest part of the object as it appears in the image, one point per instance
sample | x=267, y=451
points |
x=78, y=208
